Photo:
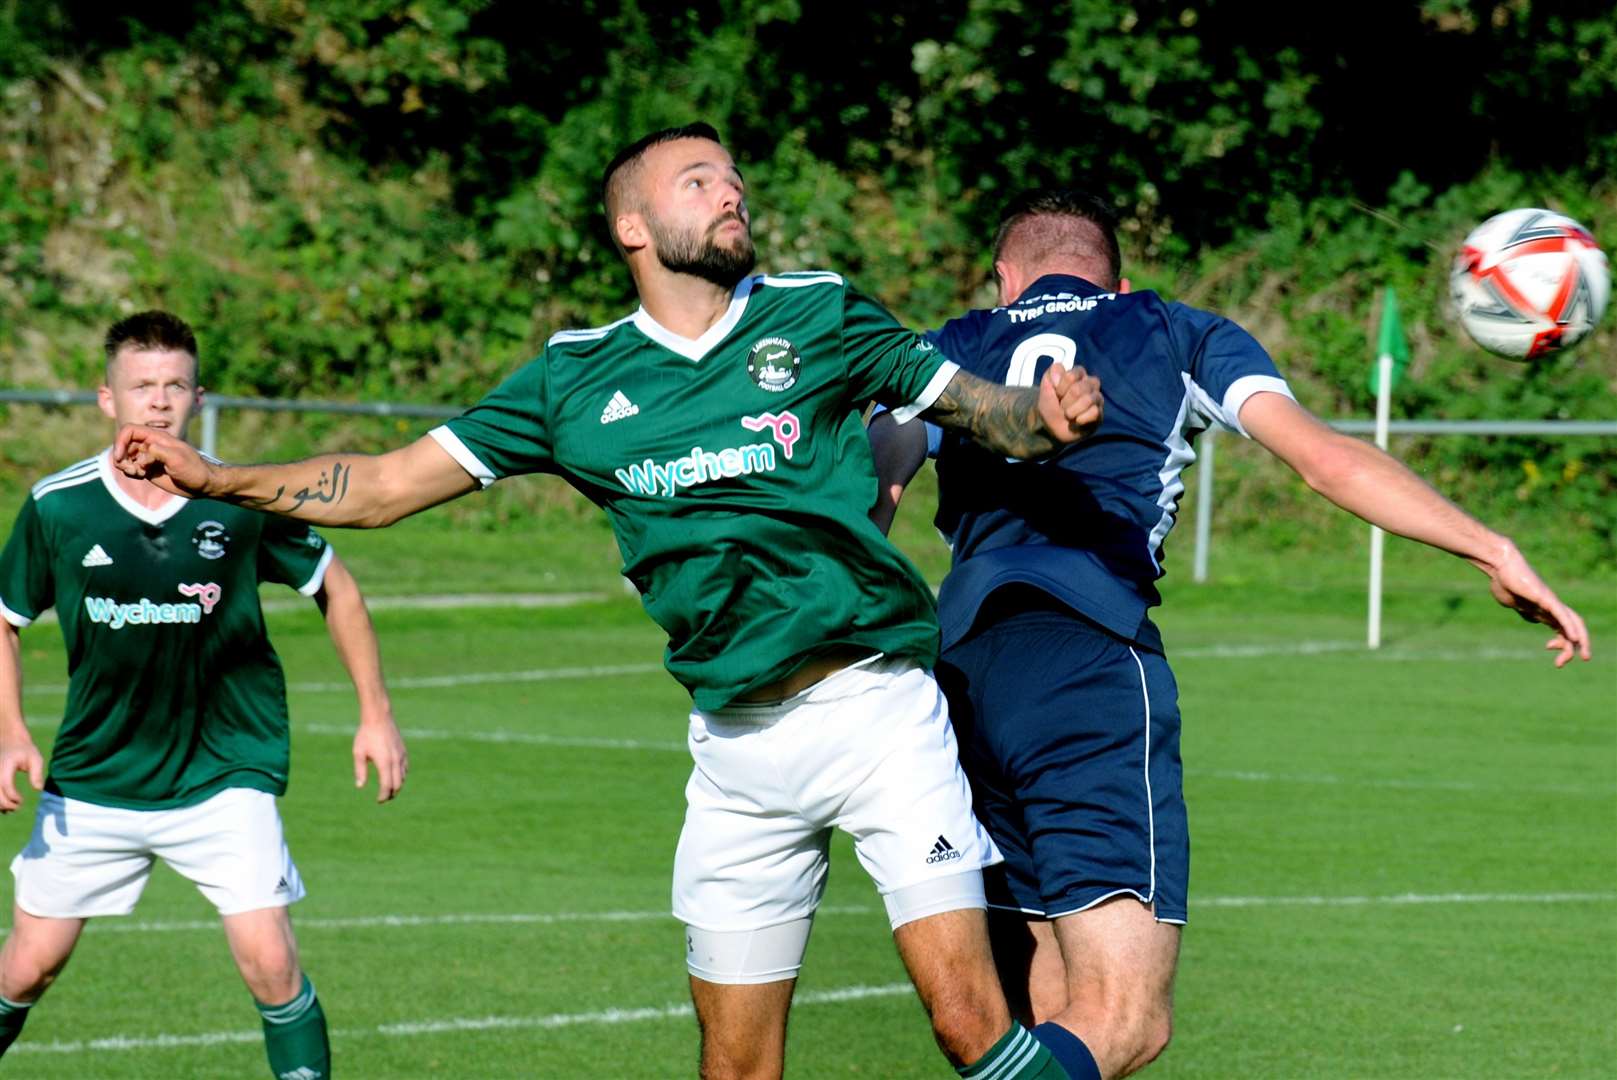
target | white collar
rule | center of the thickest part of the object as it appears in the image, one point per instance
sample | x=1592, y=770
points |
x=696, y=348
x=150, y=515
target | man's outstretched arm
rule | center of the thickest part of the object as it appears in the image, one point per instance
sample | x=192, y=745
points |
x=377, y=741
x=1365, y=481
x=1021, y=422
x=361, y=490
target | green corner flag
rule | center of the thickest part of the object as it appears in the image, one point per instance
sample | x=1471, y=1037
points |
x=1390, y=342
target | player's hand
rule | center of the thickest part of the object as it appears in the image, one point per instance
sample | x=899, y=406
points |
x=1070, y=403
x=378, y=742
x=14, y=755
x=169, y=462
x=1515, y=585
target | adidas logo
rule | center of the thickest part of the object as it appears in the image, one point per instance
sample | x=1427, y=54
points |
x=619, y=408
x=96, y=557
x=282, y=886
x=942, y=851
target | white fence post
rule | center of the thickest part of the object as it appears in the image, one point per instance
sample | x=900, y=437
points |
x=210, y=428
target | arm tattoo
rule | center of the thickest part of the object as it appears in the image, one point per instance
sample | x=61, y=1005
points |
x=1002, y=418
x=331, y=487
x=265, y=503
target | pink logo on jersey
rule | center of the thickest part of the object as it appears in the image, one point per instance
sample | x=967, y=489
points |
x=785, y=427
x=209, y=595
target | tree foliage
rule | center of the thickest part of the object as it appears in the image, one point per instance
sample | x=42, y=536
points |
x=379, y=198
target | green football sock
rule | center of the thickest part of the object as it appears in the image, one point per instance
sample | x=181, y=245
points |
x=1017, y=1056
x=13, y=1014
x=295, y=1037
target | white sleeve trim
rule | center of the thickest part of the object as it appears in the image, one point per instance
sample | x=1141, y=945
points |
x=318, y=578
x=462, y=454
x=1242, y=389
x=15, y=618
x=940, y=379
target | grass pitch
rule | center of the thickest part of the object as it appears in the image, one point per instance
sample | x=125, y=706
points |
x=1404, y=864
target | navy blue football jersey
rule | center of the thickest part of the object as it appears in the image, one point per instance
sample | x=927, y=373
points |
x=1087, y=525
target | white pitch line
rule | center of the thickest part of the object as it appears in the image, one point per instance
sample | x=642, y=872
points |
x=455, y=601
x=519, y=737
x=444, y=682
x=597, y=743
x=1261, y=651
x=590, y=742
x=1255, y=777
x=124, y=1043
x=1404, y=899
x=485, y=678
x=395, y=922
x=441, y=1027
x=523, y=918
x=1199, y=652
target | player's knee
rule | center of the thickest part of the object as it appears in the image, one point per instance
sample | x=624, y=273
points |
x=967, y=1022
x=738, y=1060
x=273, y=976
x=29, y=973
x=1142, y=1035
x=25, y=983
x=1122, y=1029
x=1152, y=1038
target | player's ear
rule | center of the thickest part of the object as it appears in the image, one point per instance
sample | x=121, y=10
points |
x=1124, y=286
x=631, y=231
x=1010, y=282
x=103, y=398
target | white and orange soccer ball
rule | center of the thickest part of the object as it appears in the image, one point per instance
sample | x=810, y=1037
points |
x=1528, y=282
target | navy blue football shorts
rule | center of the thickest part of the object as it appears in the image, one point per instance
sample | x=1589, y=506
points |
x=1070, y=737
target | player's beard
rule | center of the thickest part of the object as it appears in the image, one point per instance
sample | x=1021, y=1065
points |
x=700, y=254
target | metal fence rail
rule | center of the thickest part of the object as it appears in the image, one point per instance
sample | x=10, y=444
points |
x=1207, y=442
x=1206, y=445
x=213, y=404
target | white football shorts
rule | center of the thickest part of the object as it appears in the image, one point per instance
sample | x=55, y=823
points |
x=868, y=750
x=85, y=859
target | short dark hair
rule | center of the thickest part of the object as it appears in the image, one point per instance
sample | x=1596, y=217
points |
x=626, y=162
x=151, y=330
x=1095, y=238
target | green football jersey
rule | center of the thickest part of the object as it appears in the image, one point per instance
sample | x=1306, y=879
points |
x=735, y=471
x=174, y=692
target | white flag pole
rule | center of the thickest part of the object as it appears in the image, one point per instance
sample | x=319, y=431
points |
x=1378, y=539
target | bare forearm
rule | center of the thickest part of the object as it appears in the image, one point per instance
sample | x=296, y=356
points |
x=333, y=489
x=1002, y=418
x=354, y=637
x=1363, y=480
x=11, y=721
x=361, y=490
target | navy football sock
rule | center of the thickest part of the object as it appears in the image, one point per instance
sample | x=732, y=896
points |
x=1069, y=1050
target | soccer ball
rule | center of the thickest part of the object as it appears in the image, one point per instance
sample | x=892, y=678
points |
x=1528, y=282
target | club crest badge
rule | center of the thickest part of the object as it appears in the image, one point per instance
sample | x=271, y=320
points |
x=210, y=539
x=774, y=364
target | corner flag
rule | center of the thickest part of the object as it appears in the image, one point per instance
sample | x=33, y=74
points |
x=1392, y=356
x=1390, y=343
